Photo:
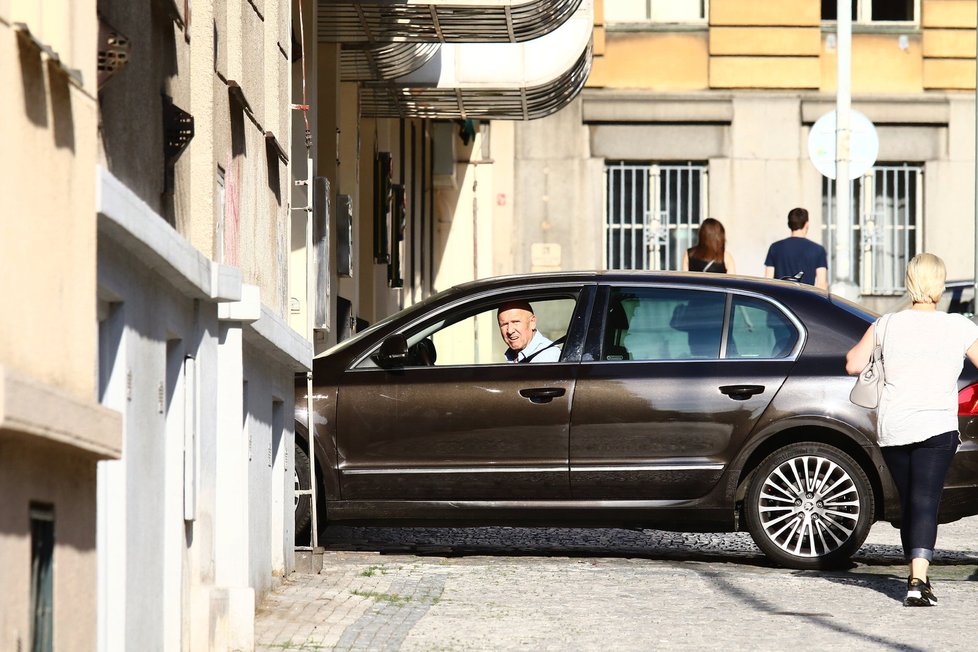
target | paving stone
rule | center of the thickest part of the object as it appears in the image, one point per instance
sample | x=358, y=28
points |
x=567, y=589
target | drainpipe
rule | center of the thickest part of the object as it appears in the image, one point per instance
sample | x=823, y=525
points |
x=311, y=429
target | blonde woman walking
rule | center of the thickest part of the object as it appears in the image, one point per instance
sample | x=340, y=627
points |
x=917, y=424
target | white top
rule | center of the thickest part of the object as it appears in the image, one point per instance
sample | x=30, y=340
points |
x=923, y=353
x=537, y=342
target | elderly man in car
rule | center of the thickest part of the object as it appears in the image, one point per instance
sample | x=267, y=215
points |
x=518, y=326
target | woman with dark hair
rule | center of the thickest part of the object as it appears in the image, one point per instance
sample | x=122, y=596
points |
x=709, y=254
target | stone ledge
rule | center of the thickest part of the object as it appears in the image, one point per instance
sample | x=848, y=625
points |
x=29, y=407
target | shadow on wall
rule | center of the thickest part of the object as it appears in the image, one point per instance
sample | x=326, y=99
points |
x=32, y=79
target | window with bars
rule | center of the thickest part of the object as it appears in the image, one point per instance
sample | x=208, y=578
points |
x=884, y=233
x=652, y=213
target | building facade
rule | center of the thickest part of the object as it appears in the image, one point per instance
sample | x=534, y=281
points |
x=704, y=109
x=53, y=430
x=200, y=196
x=195, y=348
x=147, y=361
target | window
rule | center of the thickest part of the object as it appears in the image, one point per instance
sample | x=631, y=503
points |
x=759, y=330
x=875, y=11
x=663, y=324
x=471, y=336
x=652, y=213
x=42, y=582
x=656, y=11
x=886, y=212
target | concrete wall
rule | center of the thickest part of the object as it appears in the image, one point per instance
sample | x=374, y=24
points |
x=204, y=487
x=40, y=472
x=53, y=432
x=193, y=282
x=47, y=233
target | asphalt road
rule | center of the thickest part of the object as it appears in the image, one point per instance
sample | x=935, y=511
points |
x=571, y=589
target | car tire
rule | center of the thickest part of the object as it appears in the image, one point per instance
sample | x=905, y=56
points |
x=303, y=502
x=809, y=506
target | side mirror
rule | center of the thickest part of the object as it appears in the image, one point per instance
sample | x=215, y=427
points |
x=393, y=352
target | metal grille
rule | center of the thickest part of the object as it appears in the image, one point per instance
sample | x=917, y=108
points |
x=887, y=209
x=652, y=213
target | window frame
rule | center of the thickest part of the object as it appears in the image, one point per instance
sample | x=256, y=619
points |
x=650, y=22
x=596, y=331
x=474, y=304
x=864, y=17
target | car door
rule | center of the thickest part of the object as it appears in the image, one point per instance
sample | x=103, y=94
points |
x=461, y=423
x=673, y=380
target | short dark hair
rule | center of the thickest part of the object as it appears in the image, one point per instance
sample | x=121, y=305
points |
x=797, y=219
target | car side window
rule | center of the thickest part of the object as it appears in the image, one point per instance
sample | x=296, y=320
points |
x=758, y=329
x=663, y=324
x=470, y=335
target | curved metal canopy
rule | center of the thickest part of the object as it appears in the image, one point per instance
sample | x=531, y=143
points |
x=492, y=80
x=360, y=62
x=380, y=100
x=435, y=21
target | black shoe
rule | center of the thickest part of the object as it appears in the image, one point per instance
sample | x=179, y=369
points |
x=919, y=594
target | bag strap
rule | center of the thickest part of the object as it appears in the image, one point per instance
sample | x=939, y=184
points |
x=879, y=333
x=708, y=266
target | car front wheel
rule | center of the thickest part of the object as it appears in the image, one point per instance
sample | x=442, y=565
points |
x=809, y=505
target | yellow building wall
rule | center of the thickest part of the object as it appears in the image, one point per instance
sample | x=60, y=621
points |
x=758, y=72
x=881, y=63
x=668, y=61
x=765, y=12
x=782, y=45
x=948, y=44
x=948, y=13
x=766, y=41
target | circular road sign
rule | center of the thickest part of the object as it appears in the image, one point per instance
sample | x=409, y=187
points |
x=864, y=144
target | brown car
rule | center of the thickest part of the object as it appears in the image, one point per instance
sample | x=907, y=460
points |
x=690, y=402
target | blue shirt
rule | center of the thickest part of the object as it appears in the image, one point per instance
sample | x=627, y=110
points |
x=793, y=255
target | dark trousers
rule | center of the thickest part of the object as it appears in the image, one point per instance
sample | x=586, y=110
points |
x=918, y=471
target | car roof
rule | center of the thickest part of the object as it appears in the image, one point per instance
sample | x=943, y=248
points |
x=754, y=283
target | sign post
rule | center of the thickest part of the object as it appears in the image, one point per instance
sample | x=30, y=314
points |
x=861, y=144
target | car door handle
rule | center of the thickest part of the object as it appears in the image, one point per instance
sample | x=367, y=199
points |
x=542, y=394
x=741, y=392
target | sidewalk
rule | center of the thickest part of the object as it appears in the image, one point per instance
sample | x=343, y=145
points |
x=370, y=601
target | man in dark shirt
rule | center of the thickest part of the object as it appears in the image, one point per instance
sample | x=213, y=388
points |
x=798, y=254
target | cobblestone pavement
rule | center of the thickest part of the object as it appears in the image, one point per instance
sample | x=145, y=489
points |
x=569, y=589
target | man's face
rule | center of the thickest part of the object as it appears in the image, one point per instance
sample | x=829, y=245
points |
x=517, y=327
